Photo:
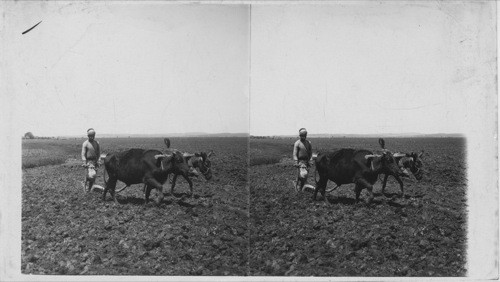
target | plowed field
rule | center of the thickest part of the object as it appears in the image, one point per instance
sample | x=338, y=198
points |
x=230, y=229
x=421, y=235
x=65, y=231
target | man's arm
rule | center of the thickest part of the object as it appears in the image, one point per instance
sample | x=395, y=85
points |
x=295, y=151
x=84, y=151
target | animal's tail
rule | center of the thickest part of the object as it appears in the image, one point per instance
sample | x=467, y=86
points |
x=103, y=155
x=315, y=176
x=104, y=177
x=315, y=157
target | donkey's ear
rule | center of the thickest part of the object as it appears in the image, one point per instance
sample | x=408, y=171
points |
x=381, y=142
x=167, y=142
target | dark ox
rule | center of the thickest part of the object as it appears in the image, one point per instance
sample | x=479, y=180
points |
x=360, y=167
x=405, y=161
x=151, y=167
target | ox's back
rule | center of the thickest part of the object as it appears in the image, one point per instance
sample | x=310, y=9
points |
x=342, y=166
x=132, y=165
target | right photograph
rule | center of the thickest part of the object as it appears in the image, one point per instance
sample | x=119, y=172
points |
x=362, y=116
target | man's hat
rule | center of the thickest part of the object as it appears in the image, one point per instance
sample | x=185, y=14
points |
x=302, y=132
x=90, y=131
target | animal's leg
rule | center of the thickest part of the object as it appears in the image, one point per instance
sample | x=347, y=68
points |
x=91, y=184
x=323, y=193
x=357, y=190
x=174, y=179
x=316, y=190
x=110, y=186
x=360, y=184
x=155, y=184
x=400, y=185
x=148, y=192
x=113, y=193
x=370, y=191
x=320, y=186
x=384, y=183
x=190, y=184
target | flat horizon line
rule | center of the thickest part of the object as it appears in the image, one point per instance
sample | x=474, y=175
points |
x=374, y=135
x=317, y=135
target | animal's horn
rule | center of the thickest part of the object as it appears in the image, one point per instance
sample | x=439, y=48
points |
x=103, y=155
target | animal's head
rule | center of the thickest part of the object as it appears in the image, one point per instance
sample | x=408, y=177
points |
x=411, y=161
x=416, y=165
x=202, y=162
x=384, y=163
x=173, y=161
x=389, y=159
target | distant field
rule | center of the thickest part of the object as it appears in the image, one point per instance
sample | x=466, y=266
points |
x=41, y=152
x=284, y=147
x=268, y=151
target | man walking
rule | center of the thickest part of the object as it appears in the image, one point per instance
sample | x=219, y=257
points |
x=302, y=153
x=91, y=153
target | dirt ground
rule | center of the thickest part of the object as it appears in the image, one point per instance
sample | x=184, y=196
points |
x=65, y=231
x=423, y=234
x=247, y=220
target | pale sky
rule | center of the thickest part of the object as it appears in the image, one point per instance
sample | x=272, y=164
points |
x=341, y=67
x=128, y=67
x=370, y=67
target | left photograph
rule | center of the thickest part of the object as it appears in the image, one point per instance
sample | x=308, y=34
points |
x=133, y=122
